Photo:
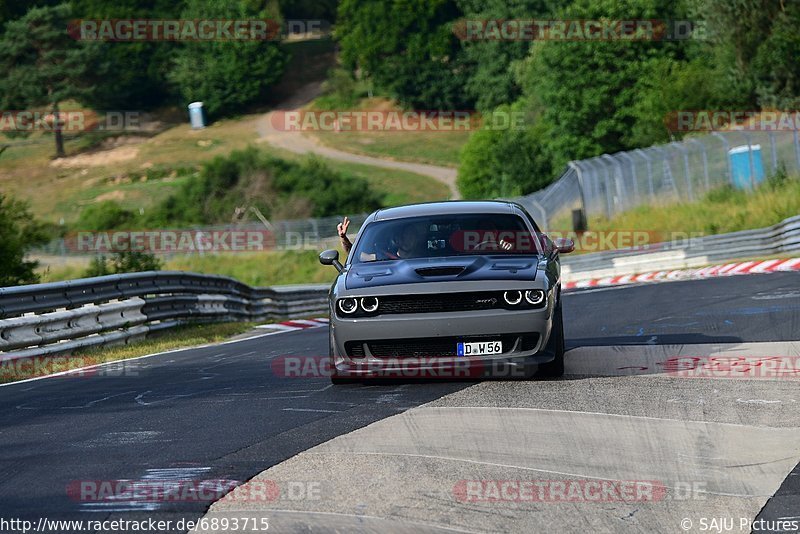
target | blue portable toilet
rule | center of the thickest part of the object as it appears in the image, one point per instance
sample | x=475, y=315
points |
x=743, y=177
x=196, y=117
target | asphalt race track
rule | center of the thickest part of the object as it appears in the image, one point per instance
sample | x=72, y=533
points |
x=398, y=456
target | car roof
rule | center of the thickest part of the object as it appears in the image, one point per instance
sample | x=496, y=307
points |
x=445, y=208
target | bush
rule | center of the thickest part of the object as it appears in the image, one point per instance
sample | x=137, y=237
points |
x=106, y=215
x=123, y=262
x=18, y=232
x=504, y=163
x=276, y=187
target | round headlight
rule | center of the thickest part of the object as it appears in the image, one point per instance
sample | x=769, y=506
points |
x=534, y=297
x=348, y=305
x=369, y=304
x=512, y=297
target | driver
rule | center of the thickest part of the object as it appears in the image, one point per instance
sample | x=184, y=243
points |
x=409, y=244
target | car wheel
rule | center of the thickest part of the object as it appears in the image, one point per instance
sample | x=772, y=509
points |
x=555, y=344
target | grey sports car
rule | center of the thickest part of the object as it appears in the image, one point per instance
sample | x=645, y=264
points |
x=456, y=289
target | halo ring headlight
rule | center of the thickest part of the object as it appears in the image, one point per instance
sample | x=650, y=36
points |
x=534, y=297
x=512, y=298
x=348, y=305
x=369, y=304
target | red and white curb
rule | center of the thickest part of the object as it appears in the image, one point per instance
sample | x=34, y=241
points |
x=296, y=324
x=728, y=269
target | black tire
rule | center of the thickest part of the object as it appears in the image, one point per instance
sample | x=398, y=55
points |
x=555, y=344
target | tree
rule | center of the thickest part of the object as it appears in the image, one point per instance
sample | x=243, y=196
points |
x=587, y=89
x=226, y=75
x=407, y=48
x=736, y=30
x=504, y=162
x=492, y=80
x=43, y=65
x=130, y=75
x=775, y=66
x=18, y=232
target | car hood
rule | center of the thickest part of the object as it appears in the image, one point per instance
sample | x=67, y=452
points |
x=465, y=268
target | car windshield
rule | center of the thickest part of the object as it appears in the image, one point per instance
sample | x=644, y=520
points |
x=446, y=235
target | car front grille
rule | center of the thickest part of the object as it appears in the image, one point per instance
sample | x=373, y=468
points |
x=435, y=347
x=440, y=302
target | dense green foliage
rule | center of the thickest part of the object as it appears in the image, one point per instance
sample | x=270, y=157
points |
x=407, y=48
x=226, y=75
x=585, y=97
x=18, y=232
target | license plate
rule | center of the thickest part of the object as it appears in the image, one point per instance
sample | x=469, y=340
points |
x=480, y=348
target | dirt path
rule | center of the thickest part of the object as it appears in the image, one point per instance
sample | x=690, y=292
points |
x=298, y=143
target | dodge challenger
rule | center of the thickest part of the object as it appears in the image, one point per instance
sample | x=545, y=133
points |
x=448, y=289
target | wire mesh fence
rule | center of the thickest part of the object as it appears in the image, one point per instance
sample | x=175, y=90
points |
x=676, y=172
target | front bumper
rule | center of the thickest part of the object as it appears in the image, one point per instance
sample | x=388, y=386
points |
x=525, y=334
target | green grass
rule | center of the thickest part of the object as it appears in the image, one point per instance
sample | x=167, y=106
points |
x=179, y=337
x=436, y=148
x=721, y=211
x=260, y=269
x=57, y=193
x=397, y=187
x=256, y=269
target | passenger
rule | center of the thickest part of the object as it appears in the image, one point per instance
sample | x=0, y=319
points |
x=342, y=231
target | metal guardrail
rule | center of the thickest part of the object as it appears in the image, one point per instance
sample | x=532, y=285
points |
x=782, y=238
x=56, y=318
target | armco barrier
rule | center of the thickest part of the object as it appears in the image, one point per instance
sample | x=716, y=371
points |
x=56, y=318
x=61, y=317
x=782, y=238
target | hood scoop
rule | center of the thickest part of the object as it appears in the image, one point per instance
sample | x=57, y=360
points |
x=440, y=271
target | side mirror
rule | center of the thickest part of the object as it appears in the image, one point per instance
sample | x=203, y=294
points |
x=331, y=257
x=564, y=245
